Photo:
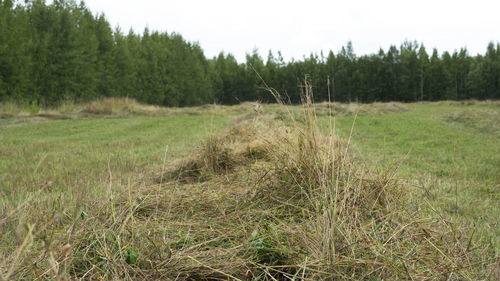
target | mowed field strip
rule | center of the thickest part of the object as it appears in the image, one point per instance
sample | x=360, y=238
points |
x=450, y=151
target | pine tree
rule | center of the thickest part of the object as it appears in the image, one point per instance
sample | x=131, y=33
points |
x=423, y=64
x=409, y=75
x=437, y=78
x=106, y=68
x=253, y=84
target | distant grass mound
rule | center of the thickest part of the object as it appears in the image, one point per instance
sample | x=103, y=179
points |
x=481, y=120
x=13, y=114
x=467, y=102
x=359, y=108
x=118, y=106
x=296, y=112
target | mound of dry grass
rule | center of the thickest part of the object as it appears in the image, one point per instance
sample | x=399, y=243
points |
x=127, y=107
x=482, y=120
x=307, y=211
x=468, y=102
x=360, y=109
x=14, y=114
x=296, y=113
x=118, y=106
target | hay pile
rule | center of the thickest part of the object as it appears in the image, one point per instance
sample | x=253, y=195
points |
x=272, y=202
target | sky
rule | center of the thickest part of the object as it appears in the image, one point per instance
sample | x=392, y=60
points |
x=297, y=28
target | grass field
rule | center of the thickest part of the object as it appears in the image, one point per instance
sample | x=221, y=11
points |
x=244, y=192
x=451, y=152
x=63, y=155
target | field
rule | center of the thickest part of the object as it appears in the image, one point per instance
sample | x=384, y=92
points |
x=115, y=190
x=450, y=152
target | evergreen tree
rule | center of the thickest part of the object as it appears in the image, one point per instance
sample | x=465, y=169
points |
x=105, y=64
x=409, y=71
x=253, y=87
x=437, y=78
x=423, y=65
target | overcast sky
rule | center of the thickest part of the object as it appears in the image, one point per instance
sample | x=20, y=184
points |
x=297, y=28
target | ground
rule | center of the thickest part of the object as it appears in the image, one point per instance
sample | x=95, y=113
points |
x=443, y=148
x=131, y=176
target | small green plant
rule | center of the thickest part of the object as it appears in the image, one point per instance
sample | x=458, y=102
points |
x=266, y=251
x=131, y=256
x=34, y=108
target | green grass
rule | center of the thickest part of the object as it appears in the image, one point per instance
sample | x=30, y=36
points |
x=454, y=161
x=69, y=155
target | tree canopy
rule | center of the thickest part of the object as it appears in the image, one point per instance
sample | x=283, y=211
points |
x=57, y=52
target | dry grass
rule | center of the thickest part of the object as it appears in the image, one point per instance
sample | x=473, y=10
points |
x=122, y=107
x=268, y=200
x=295, y=113
x=481, y=120
x=14, y=114
x=468, y=102
x=118, y=106
x=360, y=109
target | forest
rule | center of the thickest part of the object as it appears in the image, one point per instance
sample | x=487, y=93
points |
x=51, y=53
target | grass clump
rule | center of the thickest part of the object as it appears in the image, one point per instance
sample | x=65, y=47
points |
x=213, y=157
x=9, y=109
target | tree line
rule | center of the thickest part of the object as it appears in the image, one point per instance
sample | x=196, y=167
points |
x=50, y=53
